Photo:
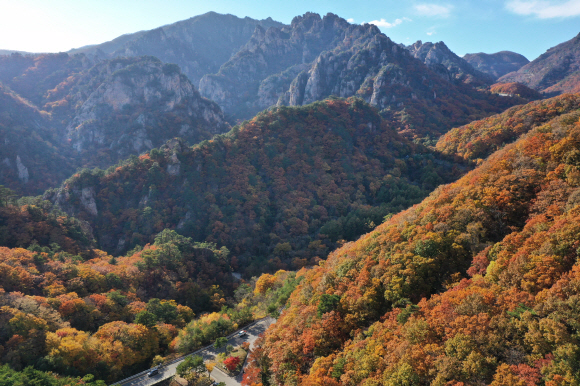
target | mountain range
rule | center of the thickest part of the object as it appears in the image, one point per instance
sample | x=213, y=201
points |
x=100, y=104
x=199, y=45
x=316, y=57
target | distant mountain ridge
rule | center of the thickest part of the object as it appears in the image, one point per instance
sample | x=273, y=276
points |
x=9, y=52
x=316, y=57
x=497, y=64
x=554, y=72
x=199, y=45
x=248, y=65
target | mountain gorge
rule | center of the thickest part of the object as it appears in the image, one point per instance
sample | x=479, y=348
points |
x=405, y=216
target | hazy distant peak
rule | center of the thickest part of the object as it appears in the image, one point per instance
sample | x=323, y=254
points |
x=497, y=64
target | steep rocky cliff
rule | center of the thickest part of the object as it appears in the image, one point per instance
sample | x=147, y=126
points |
x=554, y=72
x=317, y=57
x=265, y=67
x=439, y=58
x=132, y=105
x=28, y=160
x=61, y=112
x=498, y=64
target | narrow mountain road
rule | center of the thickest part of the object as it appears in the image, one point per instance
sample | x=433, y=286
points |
x=209, y=353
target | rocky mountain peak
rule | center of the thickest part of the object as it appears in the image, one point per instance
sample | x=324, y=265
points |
x=306, y=21
x=138, y=89
x=447, y=64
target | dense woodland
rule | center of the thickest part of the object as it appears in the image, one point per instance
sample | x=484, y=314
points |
x=479, y=139
x=68, y=308
x=79, y=311
x=279, y=191
x=475, y=285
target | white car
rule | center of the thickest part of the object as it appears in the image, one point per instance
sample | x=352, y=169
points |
x=242, y=333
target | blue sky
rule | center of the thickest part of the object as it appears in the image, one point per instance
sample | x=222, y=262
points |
x=528, y=27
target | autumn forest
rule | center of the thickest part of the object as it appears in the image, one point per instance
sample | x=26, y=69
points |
x=400, y=215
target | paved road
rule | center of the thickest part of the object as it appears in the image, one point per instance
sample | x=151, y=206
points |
x=208, y=354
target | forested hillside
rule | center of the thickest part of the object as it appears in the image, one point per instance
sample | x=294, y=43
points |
x=554, y=72
x=515, y=89
x=478, y=284
x=72, y=309
x=279, y=191
x=477, y=140
x=68, y=310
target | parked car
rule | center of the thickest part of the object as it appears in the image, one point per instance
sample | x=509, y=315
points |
x=242, y=333
x=153, y=371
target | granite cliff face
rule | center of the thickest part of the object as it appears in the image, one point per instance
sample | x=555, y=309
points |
x=199, y=45
x=61, y=112
x=265, y=67
x=135, y=104
x=316, y=57
x=554, y=72
x=439, y=58
x=28, y=160
x=498, y=64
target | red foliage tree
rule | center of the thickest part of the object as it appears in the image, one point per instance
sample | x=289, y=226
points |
x=232, y=363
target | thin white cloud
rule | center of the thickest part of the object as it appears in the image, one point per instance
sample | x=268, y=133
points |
x=436, y=10
x=351, y=20
x=545, y=9
x=431, y=33
x=386, y=24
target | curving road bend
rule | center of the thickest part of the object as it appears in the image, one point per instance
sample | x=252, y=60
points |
x=208, y=353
